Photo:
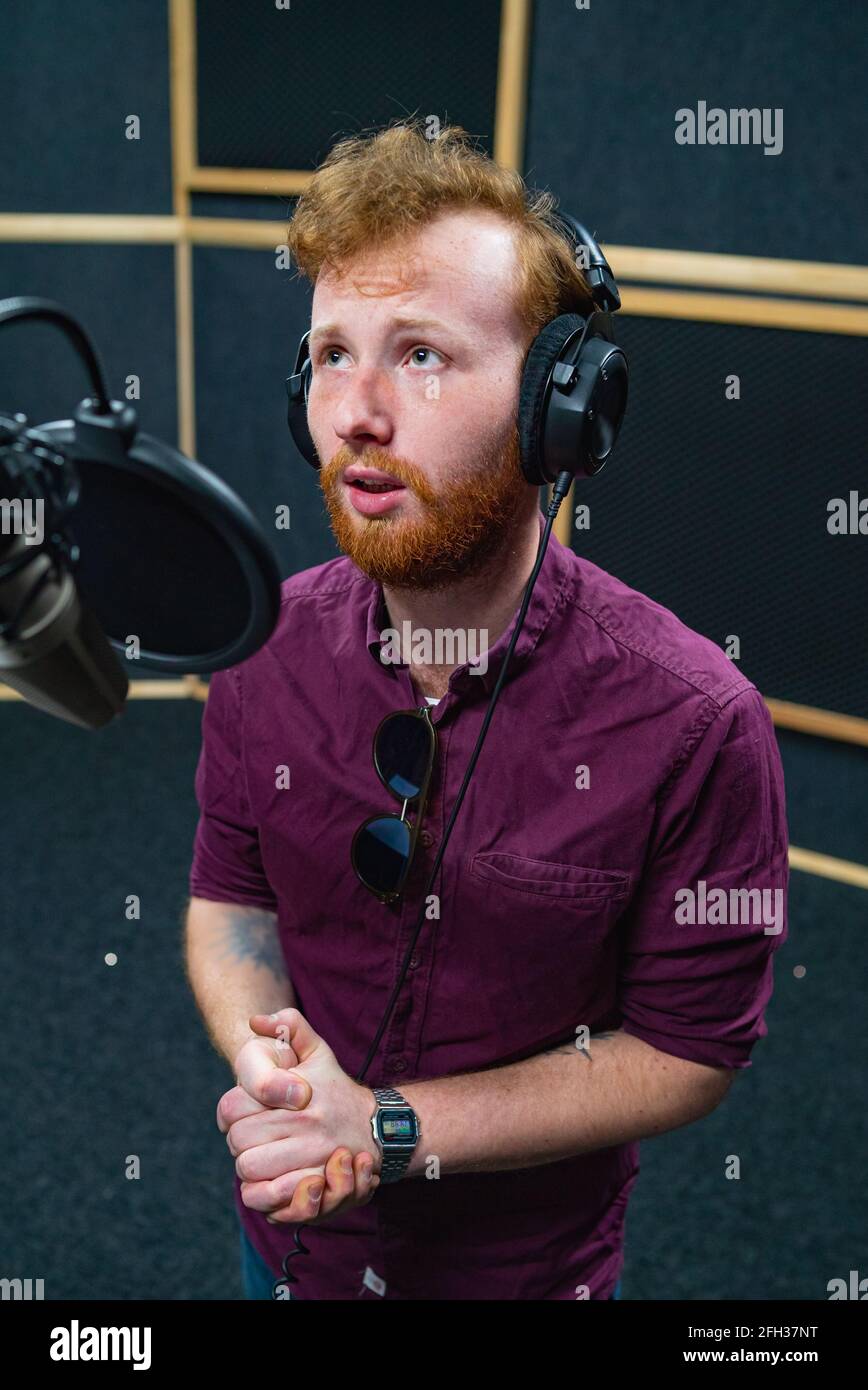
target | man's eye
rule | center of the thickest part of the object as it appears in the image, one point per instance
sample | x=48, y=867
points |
x=323, y=355
x=424, y=350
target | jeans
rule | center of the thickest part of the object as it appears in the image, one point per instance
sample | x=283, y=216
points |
x=258, y=1280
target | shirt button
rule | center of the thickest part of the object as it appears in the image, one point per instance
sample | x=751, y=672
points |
x=427, y=838
x=399, y=1064
x=413, y=962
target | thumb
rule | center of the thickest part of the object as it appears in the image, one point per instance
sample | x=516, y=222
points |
x=269, y=1083
x=291, y=1028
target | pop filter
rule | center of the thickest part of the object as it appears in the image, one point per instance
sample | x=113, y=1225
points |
x=135, y=548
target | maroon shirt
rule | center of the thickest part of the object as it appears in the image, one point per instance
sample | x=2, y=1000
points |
x=564, y=896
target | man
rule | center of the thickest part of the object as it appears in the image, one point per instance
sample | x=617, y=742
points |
x=594, y=966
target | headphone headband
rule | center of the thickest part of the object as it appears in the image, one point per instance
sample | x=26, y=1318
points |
x=597, y=272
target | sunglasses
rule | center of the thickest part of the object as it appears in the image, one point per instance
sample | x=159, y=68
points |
x=383, y=846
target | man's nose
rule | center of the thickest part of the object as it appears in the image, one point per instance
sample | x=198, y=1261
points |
x=363, y=411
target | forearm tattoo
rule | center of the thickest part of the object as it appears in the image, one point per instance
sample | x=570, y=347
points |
x=250, y=934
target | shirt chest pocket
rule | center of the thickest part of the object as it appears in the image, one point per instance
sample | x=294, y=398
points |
x=547, y=934
x=571, y=885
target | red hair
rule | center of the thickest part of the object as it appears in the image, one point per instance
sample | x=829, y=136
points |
x=374, y=188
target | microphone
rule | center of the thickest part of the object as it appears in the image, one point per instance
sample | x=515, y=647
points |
x=60, y=661
x=114, y=544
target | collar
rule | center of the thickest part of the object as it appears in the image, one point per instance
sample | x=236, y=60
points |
x=552, y=582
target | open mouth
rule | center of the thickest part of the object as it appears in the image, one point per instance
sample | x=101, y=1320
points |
x=372, y=493
x=367, y=485
x=370, y=485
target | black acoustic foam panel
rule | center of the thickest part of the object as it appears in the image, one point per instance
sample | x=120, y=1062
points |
x=603, y=88
x=72, y=76
x=718, y=508
x=277, y=87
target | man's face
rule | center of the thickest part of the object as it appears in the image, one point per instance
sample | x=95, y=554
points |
x=417, y=352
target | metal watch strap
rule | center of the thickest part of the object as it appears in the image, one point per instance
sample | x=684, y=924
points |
x=394, y=1164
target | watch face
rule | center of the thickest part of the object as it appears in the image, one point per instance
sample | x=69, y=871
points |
x=397, y=1127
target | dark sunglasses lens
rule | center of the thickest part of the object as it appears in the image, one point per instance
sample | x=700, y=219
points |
x=402, y=753
x=381, y=850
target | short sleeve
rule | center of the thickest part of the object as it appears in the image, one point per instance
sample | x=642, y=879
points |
x=227, y=865
x=711, y=907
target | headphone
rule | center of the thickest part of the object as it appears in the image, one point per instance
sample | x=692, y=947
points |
x=573, y=391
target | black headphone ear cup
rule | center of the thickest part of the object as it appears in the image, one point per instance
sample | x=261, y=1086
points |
x=296, y=415
x=542, y=355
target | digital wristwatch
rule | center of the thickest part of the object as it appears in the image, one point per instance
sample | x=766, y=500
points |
x=396, y=1130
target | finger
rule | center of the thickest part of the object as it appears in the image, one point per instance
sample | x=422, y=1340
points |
x=291, y=1026
x=269, y=1026
x=342, y=1190
x=364, y=1184
x=234, y=1105
x=266, y=1126
x=367, y=1181
x=267, y=1162
x=340, y=1181
x=282, y=1214
x=262, y=1076
x=305, y=1203
x=274, y=1194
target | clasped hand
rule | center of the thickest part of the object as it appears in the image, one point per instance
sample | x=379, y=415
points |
x=298, y=1127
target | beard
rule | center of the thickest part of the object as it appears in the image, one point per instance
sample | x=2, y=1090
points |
x=462, y=528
